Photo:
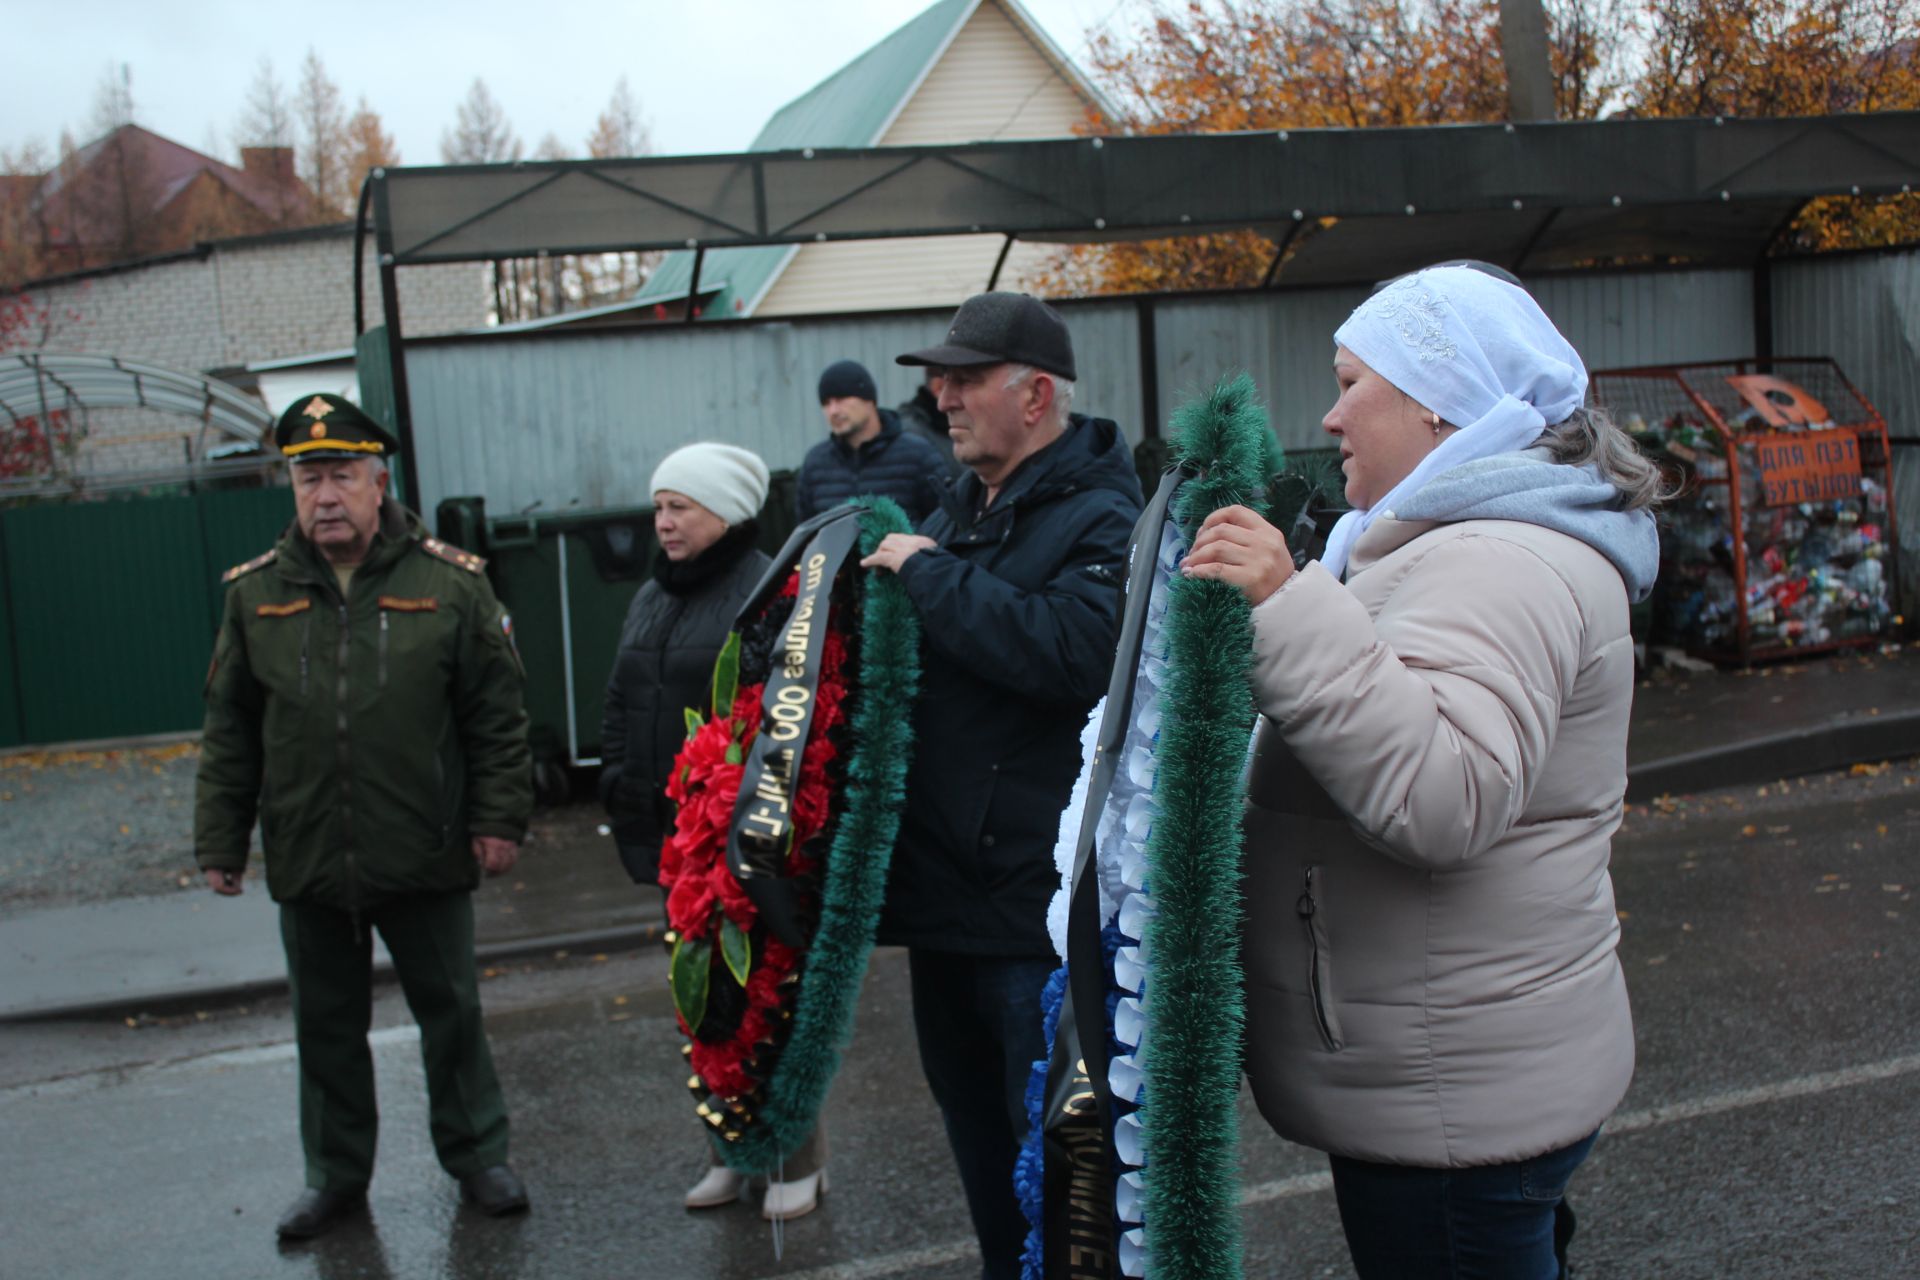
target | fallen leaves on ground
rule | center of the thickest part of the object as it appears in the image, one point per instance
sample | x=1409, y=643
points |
x=36, y=761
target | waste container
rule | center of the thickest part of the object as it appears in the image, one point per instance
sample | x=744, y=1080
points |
x=1782, y=540
x=567, y=577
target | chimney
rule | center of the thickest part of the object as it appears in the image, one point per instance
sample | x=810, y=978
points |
x=275, y=164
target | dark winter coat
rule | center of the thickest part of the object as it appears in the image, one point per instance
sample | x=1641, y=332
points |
x=896, y=463
x=1020, y=605
x=673, y=632
x=372, y=735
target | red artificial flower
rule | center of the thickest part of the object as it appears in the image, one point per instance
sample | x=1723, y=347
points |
x=693, y=866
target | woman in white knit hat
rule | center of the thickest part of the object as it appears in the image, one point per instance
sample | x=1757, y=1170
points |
x=1433, y=997
x=705, y=500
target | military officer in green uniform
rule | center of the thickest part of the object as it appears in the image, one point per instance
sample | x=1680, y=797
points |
x=365, y=703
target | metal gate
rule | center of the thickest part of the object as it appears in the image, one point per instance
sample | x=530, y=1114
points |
x=108, y=609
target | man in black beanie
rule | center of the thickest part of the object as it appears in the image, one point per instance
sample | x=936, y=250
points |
x=866, y=451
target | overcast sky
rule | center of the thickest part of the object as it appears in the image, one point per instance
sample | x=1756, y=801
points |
x=706, y=73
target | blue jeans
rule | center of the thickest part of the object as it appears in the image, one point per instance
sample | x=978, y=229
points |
x=1493, y=1222
x=977, y=1019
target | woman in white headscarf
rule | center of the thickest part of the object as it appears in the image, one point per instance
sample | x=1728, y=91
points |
x=1433, y=997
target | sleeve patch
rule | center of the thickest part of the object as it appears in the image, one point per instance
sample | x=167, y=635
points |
x=404, y=604
x=241, y=570
x=284, y=610
x=452, y=555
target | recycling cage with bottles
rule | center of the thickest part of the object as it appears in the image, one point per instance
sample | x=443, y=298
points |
x=1782, y=540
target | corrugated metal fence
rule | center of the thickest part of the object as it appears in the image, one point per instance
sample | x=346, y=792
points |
x=581, y=419
x=109, y=608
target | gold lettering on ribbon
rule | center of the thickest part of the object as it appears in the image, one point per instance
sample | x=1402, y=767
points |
x=768, y=823
x=1089, y=1224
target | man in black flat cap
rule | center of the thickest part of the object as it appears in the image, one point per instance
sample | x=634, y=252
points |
x=867, y=451
x=1018, y=580
x=365, y=703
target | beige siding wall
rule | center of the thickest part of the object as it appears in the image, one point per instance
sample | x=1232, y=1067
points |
x=992, y=83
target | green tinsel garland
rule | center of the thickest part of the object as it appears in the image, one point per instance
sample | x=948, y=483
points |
x=850, y=899
x=1192, y=1060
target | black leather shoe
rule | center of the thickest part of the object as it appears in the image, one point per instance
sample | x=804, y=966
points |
x=497, y=1191
x=318, y=1210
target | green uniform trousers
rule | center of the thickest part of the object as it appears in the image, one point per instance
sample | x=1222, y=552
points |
x=330, y=971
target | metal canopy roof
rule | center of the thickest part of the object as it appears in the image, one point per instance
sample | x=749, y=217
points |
x=1530, y=196
x=36, y=383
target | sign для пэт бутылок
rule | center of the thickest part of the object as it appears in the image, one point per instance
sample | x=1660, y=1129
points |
x=1807, y=466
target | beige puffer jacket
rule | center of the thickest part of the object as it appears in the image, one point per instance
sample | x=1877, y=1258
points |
x=1431, y=977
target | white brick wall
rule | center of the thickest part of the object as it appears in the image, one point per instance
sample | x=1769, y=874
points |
x=242, y=302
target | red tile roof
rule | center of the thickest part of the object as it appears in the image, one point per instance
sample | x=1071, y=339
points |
x=162, y=168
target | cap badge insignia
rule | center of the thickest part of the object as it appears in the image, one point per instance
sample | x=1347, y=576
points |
x=319, y=429
x=316, y=408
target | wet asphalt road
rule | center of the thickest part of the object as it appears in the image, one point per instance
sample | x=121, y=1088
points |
x=1771, y=948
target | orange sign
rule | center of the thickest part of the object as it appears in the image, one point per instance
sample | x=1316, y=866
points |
x=1806, y=466
x=1780, y=403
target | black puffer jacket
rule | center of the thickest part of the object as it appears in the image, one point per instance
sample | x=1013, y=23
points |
x=1021, y=607
x=897, y=464
x=673, y=632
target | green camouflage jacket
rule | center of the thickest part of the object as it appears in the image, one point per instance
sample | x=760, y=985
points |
x=372, y=735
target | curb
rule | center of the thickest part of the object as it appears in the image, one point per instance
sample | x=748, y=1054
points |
x=1861, y=740
x=1763, y=759
x=187, y=998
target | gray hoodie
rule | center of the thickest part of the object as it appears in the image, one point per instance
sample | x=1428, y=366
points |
x=1532, y=488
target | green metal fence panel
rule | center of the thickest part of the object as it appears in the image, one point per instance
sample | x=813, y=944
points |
x=375, y=374
x=108, y=609
x=11, y=734
x=110, y=603
x=235, y=526
x=374, y=370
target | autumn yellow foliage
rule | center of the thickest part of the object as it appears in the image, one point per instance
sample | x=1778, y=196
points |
x=1208, y=66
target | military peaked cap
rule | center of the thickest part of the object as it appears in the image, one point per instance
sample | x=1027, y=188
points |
x=327, y=426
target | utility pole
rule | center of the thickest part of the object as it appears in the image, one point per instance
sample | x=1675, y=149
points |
x=1523, y=47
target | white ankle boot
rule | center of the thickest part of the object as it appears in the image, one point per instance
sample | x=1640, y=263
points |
x=721, y=1185
x=788, y=1200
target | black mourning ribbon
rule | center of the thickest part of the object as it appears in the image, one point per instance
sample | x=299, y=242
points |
x=762, y=830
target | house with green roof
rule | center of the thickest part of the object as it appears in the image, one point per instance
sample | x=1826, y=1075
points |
x=961, y=71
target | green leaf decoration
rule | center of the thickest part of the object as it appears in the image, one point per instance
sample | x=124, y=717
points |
x=726, y=675
x=736, y=948
x=735, y=755
x=694, y=721
x=687, y=975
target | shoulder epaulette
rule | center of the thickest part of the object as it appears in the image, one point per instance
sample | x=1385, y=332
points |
x=242, y=570
x=453, y=555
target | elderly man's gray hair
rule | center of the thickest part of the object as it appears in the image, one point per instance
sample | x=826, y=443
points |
x=1062, y=389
